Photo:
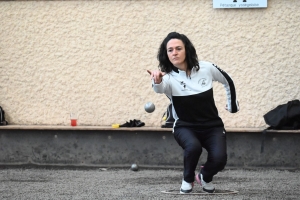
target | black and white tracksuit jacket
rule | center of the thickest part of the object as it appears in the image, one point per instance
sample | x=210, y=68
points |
x=192, y=96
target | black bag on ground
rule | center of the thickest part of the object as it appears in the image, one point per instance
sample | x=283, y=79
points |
x=2, y=117
x=168, y=117
x=285, y=116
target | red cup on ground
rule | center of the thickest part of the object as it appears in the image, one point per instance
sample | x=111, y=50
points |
x=73, y=122
x=73, y=118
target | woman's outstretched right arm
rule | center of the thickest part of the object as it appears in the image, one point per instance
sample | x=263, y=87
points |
x=158, y=83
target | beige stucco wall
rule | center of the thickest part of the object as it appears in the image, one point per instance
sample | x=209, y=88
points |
x=91, y=57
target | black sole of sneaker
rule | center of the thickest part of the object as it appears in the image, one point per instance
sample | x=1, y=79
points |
x=185, y=191
x=209, y=191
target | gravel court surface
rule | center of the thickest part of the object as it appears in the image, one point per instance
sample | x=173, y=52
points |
x=120, y=183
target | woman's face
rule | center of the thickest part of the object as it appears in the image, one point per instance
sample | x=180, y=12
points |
x=176, y=53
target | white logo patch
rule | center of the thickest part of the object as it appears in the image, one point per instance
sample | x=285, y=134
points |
x=202, y=82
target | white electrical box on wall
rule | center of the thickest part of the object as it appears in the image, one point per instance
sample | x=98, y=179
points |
x=240, y=3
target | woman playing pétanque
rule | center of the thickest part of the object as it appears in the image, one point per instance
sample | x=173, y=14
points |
x=188, y=83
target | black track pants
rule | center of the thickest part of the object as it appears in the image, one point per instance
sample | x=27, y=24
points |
x=192, y=140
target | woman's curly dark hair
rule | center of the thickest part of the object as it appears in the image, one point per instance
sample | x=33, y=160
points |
x=191, y=56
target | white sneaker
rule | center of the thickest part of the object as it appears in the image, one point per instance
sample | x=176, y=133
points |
x=207, y=187
x=186, y=187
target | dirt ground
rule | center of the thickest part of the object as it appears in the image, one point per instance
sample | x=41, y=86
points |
x=120, y=183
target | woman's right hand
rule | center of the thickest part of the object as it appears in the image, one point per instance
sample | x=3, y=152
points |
x=156, y=75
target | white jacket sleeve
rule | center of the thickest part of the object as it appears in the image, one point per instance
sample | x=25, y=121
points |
x=224, y=78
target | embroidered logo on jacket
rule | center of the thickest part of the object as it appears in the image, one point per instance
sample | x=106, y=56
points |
x=184, y=86
x=203, y=82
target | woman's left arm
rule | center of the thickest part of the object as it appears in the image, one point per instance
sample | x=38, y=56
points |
x=224, y=78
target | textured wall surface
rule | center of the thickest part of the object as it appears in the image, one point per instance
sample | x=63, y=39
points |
x=91, y=57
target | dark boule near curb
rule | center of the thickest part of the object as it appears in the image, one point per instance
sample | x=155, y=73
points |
x=134, y=167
